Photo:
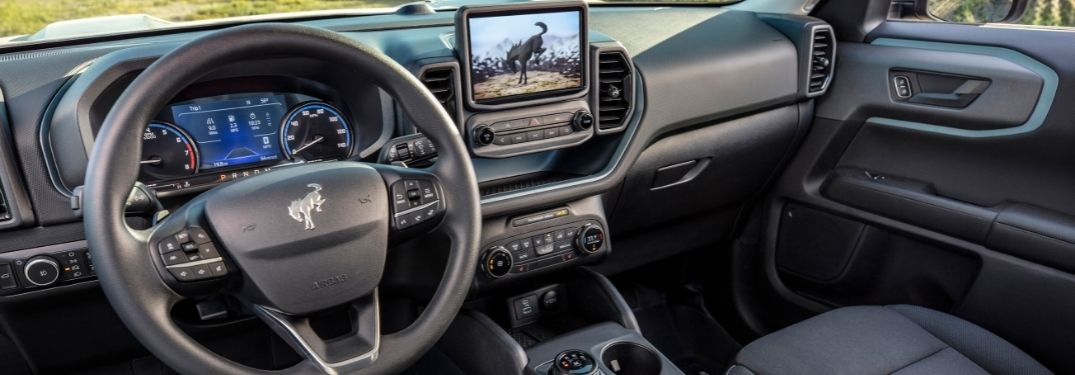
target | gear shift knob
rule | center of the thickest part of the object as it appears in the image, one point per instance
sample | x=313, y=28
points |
x=573, y=362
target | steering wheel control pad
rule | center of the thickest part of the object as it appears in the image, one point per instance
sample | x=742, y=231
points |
x=307, y=237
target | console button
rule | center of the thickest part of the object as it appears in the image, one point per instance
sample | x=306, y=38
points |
x=526, y=244
x=526, y=307
x=519, y=123
x=551, y=133
x=7, y=277
x=566, y=130
x=502, y=140
x=544, y=249
x=518, y=138
x=535, y=135
x=559, y=235
x=565, y=245
x=557, y=118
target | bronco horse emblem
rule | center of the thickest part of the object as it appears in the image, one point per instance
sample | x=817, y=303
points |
x=300, y=209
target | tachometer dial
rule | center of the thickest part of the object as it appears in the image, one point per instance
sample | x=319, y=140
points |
x=167, y=153
x=316, y=131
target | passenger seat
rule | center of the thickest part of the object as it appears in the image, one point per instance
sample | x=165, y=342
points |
x=899, y=339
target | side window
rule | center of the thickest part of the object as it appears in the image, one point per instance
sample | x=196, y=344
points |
x=1049, y=13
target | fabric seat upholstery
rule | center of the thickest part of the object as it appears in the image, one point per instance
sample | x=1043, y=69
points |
x=898, y=339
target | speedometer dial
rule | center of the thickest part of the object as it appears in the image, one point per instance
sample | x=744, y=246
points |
x=316, y=131
x=167, y=153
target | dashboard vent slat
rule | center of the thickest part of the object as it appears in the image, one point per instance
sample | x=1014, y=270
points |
x=614, y=90
x=821, y=57
x=441, y=82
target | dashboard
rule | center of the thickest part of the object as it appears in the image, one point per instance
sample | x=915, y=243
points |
x=217, y=139
x=565, y=173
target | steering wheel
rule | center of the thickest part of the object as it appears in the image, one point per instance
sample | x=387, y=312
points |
x=289, y=243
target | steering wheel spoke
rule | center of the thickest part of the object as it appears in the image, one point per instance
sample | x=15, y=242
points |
x=189, y=260
x=350, y=352
x=417, y=201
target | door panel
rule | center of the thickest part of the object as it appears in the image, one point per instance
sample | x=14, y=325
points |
x=960, y=203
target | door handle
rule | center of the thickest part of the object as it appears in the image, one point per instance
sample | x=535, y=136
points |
x=937, y=89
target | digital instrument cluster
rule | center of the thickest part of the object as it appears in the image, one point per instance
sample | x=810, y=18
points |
x=221, y=138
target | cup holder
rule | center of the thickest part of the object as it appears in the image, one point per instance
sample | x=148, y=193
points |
x=628, y=358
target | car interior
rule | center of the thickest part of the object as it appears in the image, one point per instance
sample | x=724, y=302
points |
x=543, y=187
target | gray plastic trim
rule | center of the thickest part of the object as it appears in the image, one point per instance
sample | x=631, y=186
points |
x=1037, y=117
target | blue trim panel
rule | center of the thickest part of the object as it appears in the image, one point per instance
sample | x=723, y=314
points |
x=1037, y=117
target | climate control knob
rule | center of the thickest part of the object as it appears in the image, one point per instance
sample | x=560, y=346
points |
x=497, y=262
x=42, y=270
x=590, y=239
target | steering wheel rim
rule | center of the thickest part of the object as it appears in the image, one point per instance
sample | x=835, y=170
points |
x=123, y=258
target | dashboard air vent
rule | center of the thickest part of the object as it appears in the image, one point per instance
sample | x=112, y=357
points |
x=822, y=56
x=614, y=84
x=441, y=82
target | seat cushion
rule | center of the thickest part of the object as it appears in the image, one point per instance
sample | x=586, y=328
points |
x=897, y=339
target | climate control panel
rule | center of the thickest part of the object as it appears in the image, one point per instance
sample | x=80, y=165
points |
x=543, y=248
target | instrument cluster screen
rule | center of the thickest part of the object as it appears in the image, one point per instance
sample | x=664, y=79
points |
x=234, y=131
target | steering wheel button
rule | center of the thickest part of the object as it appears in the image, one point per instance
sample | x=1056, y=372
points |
x=168, y=245
x=182, y=237
x=189, y=247
x=182, y=273
x=198, y=235
x=429, y=194
x=173, y=258
x=201, y=272
x=193, y=257
x=208, y=251
x=218, y=268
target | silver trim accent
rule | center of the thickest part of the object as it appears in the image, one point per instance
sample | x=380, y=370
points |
x=196, y=263
x=416, y=209
x=276, y=317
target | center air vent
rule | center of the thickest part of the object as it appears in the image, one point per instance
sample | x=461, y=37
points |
x=614, y=90
x=822, y=56
x=441, y=82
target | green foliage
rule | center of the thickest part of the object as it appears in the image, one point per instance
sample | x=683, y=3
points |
x=1038, y=12
x=28, y=16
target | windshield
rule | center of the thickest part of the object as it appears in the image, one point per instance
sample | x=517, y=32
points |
x=34, y=20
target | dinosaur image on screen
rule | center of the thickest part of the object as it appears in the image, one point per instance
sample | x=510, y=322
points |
x=517, y=55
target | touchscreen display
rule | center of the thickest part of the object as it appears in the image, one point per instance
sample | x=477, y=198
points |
x=518, y=55
x=233, y=131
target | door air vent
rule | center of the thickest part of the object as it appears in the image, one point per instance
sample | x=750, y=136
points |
x=822, y=56
x=614, y=90
x=441, y=82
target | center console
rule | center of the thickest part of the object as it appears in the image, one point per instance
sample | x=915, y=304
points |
x=578, y=326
